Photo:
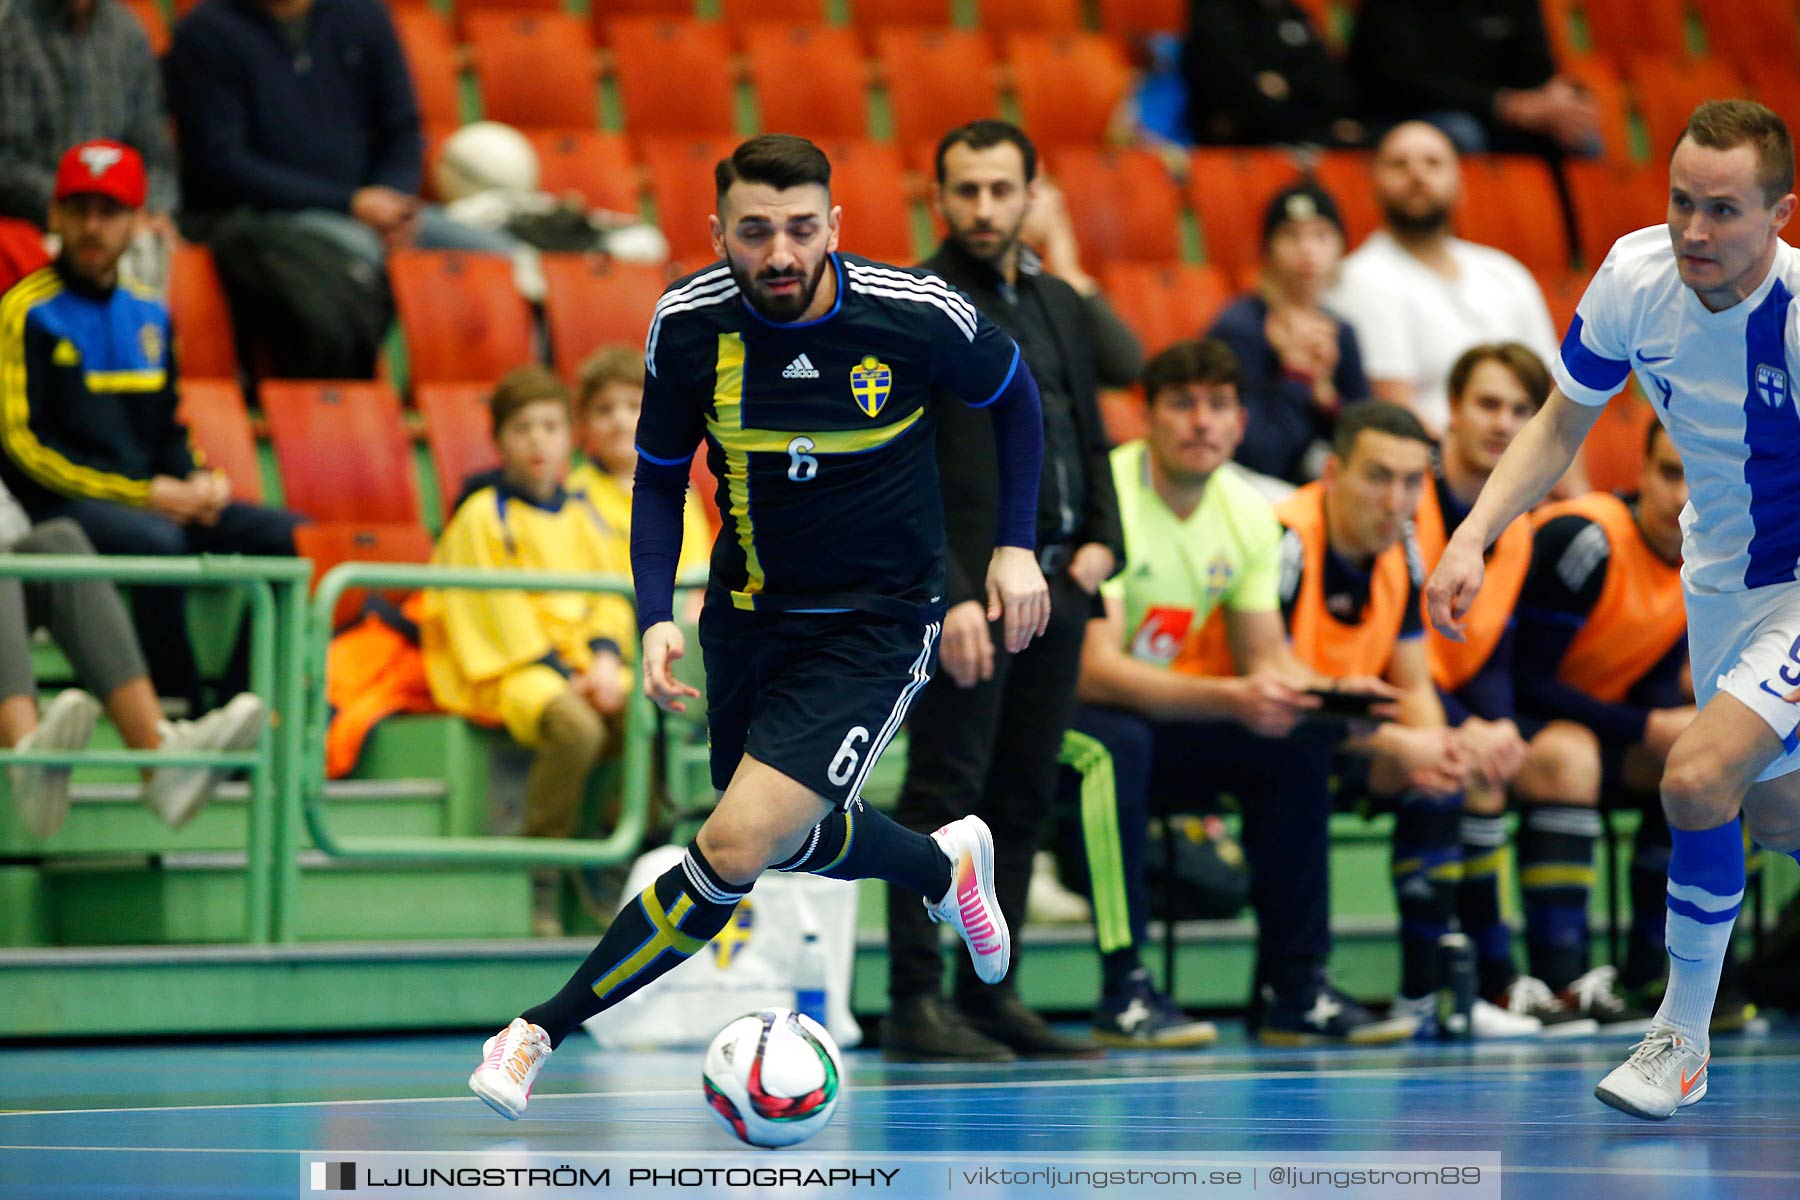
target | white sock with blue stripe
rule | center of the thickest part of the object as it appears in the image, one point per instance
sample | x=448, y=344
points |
x=1706, y=886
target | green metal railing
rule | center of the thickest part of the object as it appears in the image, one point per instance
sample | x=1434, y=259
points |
x=276, y=591
x=307, y=807
x=288, y=645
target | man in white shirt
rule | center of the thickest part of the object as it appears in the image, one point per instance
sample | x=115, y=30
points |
x=1704, y=312
x=1417, y=296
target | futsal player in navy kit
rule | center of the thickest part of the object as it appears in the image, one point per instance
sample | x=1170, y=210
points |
x=812, y=378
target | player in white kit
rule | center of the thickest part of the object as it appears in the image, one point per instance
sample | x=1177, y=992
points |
x=1704, y=311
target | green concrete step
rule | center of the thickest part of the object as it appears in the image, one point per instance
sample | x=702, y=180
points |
x=190, y=898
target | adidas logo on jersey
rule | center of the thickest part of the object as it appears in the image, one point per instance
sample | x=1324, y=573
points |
x=801, y=368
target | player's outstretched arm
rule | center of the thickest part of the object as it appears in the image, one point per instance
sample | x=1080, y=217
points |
x=1536, y=459
x=663, y=645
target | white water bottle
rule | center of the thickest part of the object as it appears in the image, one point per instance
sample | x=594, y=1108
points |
x=810, y=974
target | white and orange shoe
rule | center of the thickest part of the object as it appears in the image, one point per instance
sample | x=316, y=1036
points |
x=510, y=1062
x=1665, y=1072
x=970, y=906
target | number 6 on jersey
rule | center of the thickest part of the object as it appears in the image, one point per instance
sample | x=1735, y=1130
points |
x=801, y=465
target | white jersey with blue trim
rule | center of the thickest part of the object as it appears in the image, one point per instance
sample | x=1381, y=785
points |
x=1721, y=383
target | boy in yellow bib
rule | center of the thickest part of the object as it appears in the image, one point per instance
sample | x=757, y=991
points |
x=550, y=667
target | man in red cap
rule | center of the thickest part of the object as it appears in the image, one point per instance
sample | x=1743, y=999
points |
x=87, y=407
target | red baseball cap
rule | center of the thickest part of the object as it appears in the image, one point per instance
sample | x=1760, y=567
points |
x=102, y=168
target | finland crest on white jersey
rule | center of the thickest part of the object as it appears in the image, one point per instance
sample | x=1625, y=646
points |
x=1722, y=384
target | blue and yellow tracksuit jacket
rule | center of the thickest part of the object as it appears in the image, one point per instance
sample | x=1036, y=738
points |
x=87, y=393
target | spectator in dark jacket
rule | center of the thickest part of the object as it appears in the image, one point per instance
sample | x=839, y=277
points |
x=1480, y=70
x=305, y=108
x=986, y=734
x=1299, y=363
x=1258, y=73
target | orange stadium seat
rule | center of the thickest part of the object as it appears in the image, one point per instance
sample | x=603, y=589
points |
x=1122, y=202
x=1135, y=18
x=1044, y=67
x=431, y=60
x=674, y=77
x=1629, y=30
x=342, y=448
x=681, y=182
x=330, y=543
x=597, y=165
x=593, y=301
x=1599, y=77
x=1611, y=200
x=1046, y=16
x=1669, y=89
x=462, y=10
x=1123, y=415
x=1746, y=31
x=872, y=15
x=606, y=10
x=1345, y=175
x=936, y=80
x=435, y=134
x=461, y=315
x=1562, y=292
x=808, y=79
x=1164, y=303
x=149, y=13
x=1510, y=202
x=808, y=12
x=1229, y=188
x=1559, y=26
x=458, y=433
x=1776, y=82
x=535, y=68
x=205, y=345
x=219, y=426
x=865, y=180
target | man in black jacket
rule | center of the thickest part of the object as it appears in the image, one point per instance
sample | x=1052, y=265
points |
x=987, y=738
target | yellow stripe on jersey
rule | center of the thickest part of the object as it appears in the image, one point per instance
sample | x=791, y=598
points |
x=726, y=427
x=830, y=441
x=728, y=420
x=149, y=379
x=37, y=460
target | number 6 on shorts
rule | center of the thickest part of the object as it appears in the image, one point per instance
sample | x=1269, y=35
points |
x=843, y=763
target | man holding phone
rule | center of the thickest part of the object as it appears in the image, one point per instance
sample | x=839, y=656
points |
x=1161, y=712
x=1351, y=577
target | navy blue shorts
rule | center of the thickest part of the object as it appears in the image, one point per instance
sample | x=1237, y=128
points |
x=817, y=696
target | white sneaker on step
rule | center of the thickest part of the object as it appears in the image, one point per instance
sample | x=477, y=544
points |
x=1047, y=901
x=1665, y=1072
x=510, y=1062
x=40, y=795
x=178, y=793
x=970, y=906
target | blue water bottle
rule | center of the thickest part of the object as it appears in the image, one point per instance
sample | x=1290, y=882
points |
x=810, y=974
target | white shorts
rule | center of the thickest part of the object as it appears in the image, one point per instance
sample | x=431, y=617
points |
x=1747, y=644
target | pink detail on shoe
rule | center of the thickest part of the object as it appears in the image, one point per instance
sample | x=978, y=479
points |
x=976, y=922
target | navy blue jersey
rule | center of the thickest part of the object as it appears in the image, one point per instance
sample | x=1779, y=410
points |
x=821, y=433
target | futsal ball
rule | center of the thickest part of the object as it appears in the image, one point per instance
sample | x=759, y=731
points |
x=486, y=156
x=772, y=1077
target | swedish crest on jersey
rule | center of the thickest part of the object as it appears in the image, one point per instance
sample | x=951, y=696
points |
x=871, y=380
x=1772, y=385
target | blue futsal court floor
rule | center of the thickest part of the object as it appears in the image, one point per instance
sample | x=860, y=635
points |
x=242, y=1119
